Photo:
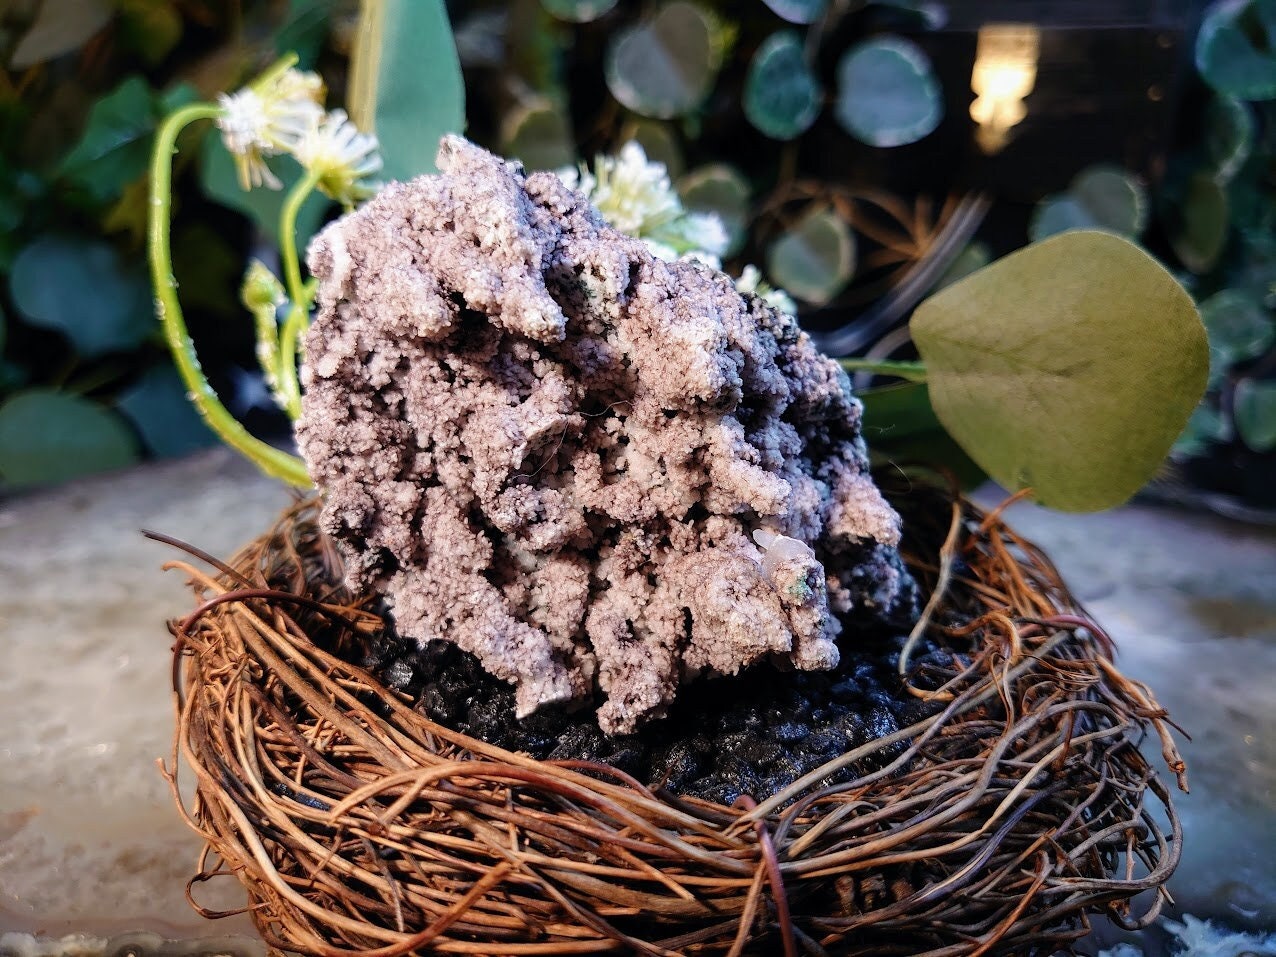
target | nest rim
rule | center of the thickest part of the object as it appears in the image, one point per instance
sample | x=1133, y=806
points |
x=379, y=831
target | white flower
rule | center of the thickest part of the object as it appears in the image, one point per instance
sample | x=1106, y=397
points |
x=266, y=119
x=750, y=282
x=341, y=157
x=698, y=235
x=632, y=194
x=636, y=196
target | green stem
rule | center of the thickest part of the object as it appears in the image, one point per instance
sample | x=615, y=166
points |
x=274, y=72
x=270, y=460
x=910, y=371
x=299, y=312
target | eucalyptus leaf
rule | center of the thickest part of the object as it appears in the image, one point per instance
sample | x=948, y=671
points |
x=405, y=82
x=1200, y=232
x=539, y=135
x=578, y=11
x=815, y=259
x=887, y=92
x=84, y=289
x=305, y=29
x=663, y=67
x=60, y=26
x=1254, y=409
x=1205, y=427
x=1234, y=48
x=1239, y=328
x=1114, y=198
x=1069, y=366
x=1057, y=214
x=798, y=11
x=48, y=436
x=1229, y=135
x=720, y=189
x=220, y=182
x=1099, y=197
x=158, y=407
x=932, y=13
x=781, y=96
x=116, y=144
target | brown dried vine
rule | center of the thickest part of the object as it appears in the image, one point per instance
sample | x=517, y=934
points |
x=359, y=826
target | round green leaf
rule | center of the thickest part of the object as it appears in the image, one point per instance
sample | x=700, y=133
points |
x=1234, y=48
x=1069, y=366
x=798, y=11
x=1205, y=428
x=83, y=289
x=1099, y=197
x=116, y=143
x=887, y=92
x=48, y=436
x=815, y=259
x=1200, y=233
x=723, y=190
x=1254, y=409
x=578, y=11
x=1113, y=198
x=781, y=96
x=158, y=406
x=1057, y=214
x=1229, y=135
x=657, y=140
x=662, y=67
x=540, y=136
x=1238, y=325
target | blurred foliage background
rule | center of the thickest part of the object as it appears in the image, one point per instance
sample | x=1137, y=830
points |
x=863, y=154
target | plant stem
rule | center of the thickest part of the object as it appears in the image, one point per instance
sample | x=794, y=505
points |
x=910, y=371
x=270, y=460
x=299, y=296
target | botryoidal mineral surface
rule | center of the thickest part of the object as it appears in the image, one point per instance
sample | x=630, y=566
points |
x=600, y=473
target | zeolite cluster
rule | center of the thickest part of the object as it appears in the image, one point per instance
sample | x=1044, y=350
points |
x=600, y=473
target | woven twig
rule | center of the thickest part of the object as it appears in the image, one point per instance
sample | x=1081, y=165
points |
x=358, y=825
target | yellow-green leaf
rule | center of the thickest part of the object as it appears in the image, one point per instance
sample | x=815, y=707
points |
x=1069, y=367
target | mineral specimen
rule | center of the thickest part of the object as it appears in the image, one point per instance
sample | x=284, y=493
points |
x=557, y=451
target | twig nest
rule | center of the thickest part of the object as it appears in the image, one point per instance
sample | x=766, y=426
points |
x=542, y=443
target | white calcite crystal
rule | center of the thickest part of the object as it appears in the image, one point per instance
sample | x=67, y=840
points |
x=545, y=444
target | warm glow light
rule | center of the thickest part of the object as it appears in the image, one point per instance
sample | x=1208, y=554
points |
x=1005, y=72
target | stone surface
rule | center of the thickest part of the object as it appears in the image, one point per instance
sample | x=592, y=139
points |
x=1191, y=602
x=89, y=840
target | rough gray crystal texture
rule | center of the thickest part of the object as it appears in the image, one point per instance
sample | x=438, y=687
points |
x=542, y=443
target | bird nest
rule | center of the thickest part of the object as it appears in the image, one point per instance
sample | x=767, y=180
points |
x=356, y=824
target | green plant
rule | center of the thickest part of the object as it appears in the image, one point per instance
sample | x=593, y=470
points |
x=1213, y=217
x=1068, y=367
x=279, y=116
x=83, y=88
